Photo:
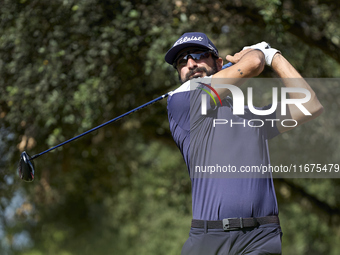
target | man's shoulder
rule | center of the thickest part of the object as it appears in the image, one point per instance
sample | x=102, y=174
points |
x=185, y=87
x=191, y=85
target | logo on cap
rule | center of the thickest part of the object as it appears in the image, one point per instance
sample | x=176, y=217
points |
x=186, y=39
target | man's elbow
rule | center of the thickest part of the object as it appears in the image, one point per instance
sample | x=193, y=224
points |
x=318, y=111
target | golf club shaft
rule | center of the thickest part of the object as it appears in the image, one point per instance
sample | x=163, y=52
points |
x=110, y=121
x=102, y=125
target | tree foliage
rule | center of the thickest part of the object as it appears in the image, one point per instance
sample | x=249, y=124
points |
x=67, y=66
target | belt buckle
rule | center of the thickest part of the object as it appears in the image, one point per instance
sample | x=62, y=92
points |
x=226, y=224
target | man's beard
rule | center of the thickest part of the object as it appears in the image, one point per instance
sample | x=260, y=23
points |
x=199, y=69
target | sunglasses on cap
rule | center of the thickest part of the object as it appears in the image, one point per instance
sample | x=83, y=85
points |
x=182, y=59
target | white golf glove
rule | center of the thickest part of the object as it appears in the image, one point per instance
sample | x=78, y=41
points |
x=266, y=49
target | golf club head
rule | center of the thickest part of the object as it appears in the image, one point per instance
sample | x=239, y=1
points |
x=26, y=167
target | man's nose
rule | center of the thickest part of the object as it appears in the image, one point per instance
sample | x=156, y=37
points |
x=191, y=62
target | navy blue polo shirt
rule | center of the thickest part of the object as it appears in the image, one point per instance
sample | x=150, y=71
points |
x=206, y=146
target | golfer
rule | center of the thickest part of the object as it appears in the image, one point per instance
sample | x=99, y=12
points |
x=230, y=215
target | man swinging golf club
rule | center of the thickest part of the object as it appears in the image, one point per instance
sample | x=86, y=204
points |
x=230, y=215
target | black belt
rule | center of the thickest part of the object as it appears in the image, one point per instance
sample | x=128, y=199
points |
x=235, y=223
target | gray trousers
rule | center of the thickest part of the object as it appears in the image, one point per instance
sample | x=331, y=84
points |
x=264, y=240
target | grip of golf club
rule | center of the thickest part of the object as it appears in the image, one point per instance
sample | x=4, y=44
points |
x=227, y=65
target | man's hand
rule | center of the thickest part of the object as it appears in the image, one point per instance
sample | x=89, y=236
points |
x=247, y=64
x=268, y=51
x=237, y=57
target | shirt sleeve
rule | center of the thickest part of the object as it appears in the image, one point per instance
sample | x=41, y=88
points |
x=197, y=89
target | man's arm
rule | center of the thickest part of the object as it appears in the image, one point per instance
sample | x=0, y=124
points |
x=292, y=79
x=247, y=64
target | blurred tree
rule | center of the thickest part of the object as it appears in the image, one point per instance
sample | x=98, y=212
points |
x=66, y=66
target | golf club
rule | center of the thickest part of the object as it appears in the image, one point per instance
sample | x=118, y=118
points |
x=26, y=165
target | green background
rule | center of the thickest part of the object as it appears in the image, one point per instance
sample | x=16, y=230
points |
x=67, y=66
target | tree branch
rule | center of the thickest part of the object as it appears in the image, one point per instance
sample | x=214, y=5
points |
x=326, y=212
x=252, y=16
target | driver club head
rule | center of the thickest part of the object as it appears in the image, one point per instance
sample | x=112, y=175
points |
x=26, y=167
